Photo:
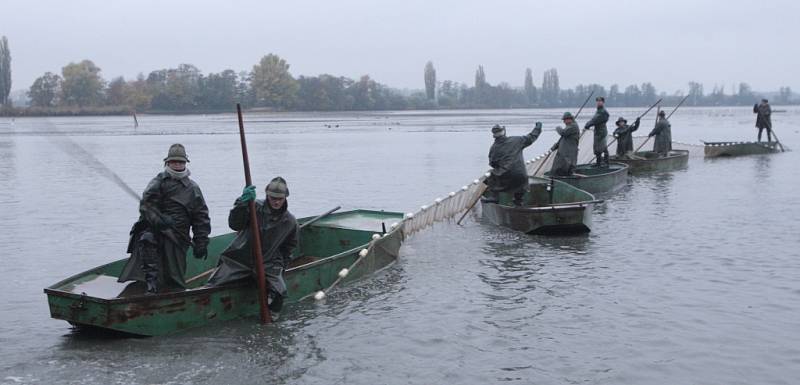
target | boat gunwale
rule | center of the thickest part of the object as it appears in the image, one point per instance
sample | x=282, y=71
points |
x=52, y=289
x=625, y=168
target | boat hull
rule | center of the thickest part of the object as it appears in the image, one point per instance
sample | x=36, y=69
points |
x=597, y=180
x=563, y=209
x=131, y=311
x=718, y=149
x=647, y=161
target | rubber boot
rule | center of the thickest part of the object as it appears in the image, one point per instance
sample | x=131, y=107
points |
x=599, y=161
x=605, y=158
x=149, y=254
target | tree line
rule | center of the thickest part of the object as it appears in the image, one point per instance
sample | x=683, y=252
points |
x=80, y=88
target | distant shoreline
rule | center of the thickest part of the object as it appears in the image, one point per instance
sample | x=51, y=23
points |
x=123, y=111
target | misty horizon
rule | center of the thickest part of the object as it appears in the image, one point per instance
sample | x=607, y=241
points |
x=667, y=44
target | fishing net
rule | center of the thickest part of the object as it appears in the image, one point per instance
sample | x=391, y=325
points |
x=450, y=205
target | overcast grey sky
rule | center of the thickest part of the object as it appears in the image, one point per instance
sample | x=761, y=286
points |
x=666, y=42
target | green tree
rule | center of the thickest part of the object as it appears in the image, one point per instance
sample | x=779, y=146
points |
x=117, y=92
x=550, y=88
x=219, y=90
x=695, y=94
x=45, y=90
x=530, y=89
x=785, y=95
x=480, y=77
x=648, y=93
x=138, y=94
x=430, y=81
x=82, y=84
x=5, y=71
x=272, y=83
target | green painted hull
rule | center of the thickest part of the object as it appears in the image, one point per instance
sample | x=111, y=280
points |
x=648, y=161
x=568, y=212
x=94, y=298
x=716, y=149
x=597, y=180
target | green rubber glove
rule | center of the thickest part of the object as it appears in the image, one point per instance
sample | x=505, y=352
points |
x=248, y=194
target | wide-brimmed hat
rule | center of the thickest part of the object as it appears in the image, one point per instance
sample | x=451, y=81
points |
x=277, y=188
x=567, y=115
x=176, y=152
x=621, y=119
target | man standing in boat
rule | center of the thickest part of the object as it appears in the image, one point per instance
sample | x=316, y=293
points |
x=624, y=135
x=171, y=204
x=763, y=119
x=567, y=156
x=598, y=121
x=663, y=133
x=279, y=238
x=508, y=172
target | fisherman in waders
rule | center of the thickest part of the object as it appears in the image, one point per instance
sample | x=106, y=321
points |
x=663, y=133
x=763, y=119
x=279, y=238
x=171, y=204
x=508, y=172
x=598, y=121
x=624, y=135
x=567, y=156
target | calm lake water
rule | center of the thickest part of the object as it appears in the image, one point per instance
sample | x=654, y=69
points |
x=688, y=277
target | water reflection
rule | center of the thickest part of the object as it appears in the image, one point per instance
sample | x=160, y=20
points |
x=762, y=168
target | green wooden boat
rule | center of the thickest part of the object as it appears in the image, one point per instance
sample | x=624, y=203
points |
x=649, y=161
x=597, y=180
x=716, y=149
x=561, y=209
x=95, y=299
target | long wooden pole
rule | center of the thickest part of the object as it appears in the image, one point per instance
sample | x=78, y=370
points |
x=481, y=189
x=257, y=257
x=658, y=111
x=575, y=118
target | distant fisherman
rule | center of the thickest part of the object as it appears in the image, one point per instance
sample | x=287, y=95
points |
x=598, y=121
x=663, y=134
x=508, y=172
x=279, y=239
x=171, y=205
x=624, y=135
x=567, y=156
x=763, y=119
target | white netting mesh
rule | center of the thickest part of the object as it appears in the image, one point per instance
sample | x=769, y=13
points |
x=450, y=205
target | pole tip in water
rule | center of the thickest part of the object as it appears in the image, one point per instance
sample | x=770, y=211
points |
x=319, y=296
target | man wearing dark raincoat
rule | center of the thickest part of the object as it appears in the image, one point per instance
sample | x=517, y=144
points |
x=663, y=133
x=567, y=156
x=598, y=121
x=763, y=119
x=624, y=135
x=279, y=238
x=508, y=172
x=171, y=204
